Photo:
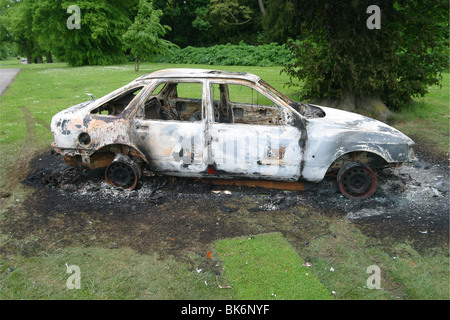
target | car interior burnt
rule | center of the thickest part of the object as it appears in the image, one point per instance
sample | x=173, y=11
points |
x=115, y=106
x=306, y=110
x=175, y=101
x=235, y=103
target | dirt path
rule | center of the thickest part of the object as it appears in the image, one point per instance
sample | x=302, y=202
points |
x=18, y=171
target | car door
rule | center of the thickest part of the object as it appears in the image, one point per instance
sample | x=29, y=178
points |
x=250, y=135
x=170, y=129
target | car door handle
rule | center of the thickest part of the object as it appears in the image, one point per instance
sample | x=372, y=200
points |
x=142, y=127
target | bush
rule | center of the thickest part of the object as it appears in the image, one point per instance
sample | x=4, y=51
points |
x=266, y=55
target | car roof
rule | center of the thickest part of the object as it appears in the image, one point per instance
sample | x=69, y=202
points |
x=199, y=73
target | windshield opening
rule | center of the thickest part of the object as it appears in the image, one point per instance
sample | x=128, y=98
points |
x=304, y=109
x=280, y=95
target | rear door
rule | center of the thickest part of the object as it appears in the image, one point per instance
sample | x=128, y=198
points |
x=170, y=129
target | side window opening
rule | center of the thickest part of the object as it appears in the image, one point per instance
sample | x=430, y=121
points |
x=115, y=106
x=180, y=101
x=235, y=103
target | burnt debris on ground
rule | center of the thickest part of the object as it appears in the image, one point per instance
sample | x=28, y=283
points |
x=409, y=190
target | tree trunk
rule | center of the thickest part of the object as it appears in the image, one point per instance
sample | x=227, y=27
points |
x=49, y=57
x=261, y=7
x=27, y=51
x=136, y=64
x=373, y=106
x=368, y=105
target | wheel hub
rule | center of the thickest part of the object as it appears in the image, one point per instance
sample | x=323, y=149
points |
x=357, y=180
x=123, y=172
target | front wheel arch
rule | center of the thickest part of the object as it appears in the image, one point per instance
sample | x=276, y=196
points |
x=371, y=159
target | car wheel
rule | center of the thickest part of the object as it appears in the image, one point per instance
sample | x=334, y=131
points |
x=123, y=172
x=357, y=180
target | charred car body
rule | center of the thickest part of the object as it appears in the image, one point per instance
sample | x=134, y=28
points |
x=207, y=123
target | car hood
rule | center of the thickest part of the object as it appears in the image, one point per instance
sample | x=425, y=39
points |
x=350, y=121
x=74, y=112
x=75, y=109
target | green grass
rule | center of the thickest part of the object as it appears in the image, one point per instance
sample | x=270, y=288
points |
x=105, y=274
x=405, y=273
x=427, y=118
x=266, y=267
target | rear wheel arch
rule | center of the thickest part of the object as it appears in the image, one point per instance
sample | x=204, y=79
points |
x=125, y=167
x=111, y=151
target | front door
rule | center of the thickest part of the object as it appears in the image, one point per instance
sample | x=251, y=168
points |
x=250, y=136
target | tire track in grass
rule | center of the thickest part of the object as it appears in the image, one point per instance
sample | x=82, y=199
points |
x=17, y=171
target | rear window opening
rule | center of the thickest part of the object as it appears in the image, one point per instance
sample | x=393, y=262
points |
x=115, y=106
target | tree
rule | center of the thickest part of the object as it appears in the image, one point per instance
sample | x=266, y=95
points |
x=98, y=41
x=282, y=20
x=340, y=60
x=230, y=12
x=144, y=35
x=234, y=21
x=210, y=22
x=183, y=17
x=16, y=25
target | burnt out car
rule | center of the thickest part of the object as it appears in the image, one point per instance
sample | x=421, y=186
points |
x=207, y=123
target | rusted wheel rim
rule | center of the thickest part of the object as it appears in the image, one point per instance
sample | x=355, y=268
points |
x=121, y=174
x=357, y=181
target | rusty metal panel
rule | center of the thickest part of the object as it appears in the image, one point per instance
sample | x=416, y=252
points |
x=284, y=185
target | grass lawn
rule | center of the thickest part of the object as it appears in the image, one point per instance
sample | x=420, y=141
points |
x=263, y=267
x=427, y=118
x=117, y=274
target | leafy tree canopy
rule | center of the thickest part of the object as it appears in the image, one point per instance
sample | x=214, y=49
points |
x=98, y=41
x=144, y=37
x=338, y=53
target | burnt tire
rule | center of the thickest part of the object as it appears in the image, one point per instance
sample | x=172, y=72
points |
x=123, y=172
x=357, y=181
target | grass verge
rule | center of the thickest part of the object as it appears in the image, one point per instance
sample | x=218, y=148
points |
x=342, y=262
